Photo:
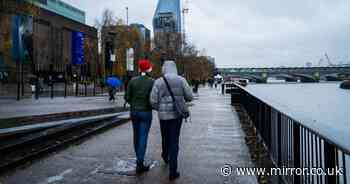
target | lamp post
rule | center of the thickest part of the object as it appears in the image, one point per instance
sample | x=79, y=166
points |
x=127, y=16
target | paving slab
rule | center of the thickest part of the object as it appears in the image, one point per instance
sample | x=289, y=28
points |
x=213, y=138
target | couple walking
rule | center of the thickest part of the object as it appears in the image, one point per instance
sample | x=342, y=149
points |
x=144, y=94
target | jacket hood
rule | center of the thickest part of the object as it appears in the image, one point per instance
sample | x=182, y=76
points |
x=169, y=67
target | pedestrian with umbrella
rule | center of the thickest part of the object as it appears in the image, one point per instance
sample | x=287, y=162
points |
x=113, y=83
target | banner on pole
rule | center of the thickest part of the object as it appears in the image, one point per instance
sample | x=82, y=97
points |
x=113, y=58
x=130, y=59
x=77, y=48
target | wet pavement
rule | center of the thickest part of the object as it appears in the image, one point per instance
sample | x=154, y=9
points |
x=10, y=108
x=213, y=138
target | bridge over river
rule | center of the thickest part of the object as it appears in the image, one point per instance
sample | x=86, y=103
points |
x=305, y=74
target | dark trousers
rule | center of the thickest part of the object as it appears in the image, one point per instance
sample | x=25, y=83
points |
x=112, y=94
x=141, y=123
x=170, y=131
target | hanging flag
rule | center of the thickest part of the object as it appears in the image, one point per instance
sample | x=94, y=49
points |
x=77, y=48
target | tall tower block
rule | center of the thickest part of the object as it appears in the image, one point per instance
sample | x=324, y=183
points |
x=167, y=28
x=167, y=17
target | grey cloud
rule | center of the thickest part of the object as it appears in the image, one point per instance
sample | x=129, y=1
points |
x=253, y=32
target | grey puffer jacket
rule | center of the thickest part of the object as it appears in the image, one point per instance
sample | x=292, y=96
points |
x=160, y=97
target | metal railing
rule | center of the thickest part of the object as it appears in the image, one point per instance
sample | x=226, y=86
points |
x=293, y=145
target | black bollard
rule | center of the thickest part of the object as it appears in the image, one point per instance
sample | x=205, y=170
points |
x=76, y=88
x=37, y=88
x=223, y=89
x=22, y=80
x=65, y=88
x=18, y=81
x=94, y=90
x=51, y=85
x=85, y=86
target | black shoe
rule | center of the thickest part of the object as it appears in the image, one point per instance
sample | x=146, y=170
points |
x=141, y=168
x=165, y=159
x=174, y=176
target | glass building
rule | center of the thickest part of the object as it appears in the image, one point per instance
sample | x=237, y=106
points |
x=167, y=17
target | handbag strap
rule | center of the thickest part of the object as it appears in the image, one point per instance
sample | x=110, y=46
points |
x=169, y=88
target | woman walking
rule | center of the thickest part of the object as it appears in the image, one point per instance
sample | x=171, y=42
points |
x=164, y=101
x=137, y=95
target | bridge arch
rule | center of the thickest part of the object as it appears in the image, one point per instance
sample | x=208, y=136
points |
x=304, y=78
x=286, y=77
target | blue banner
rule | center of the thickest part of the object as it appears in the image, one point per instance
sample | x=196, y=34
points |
x=77, y=48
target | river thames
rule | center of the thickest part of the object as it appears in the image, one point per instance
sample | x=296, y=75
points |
x=323, y=107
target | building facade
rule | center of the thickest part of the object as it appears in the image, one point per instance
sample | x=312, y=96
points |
x=41, y=35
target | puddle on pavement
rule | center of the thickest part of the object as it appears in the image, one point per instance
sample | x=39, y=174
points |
x=126, y=167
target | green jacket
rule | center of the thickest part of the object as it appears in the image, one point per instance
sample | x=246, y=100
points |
x=138, y=93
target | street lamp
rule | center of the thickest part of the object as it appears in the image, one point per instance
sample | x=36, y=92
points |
x=127, y=16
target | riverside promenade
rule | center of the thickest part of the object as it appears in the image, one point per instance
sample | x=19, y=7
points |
x=213, y=138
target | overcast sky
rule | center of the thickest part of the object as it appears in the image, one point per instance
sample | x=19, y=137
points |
x=252, y=33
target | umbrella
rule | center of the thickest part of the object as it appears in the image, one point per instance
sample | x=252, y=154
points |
x=113, y=82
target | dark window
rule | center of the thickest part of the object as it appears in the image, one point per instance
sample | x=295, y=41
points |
x=165, y=22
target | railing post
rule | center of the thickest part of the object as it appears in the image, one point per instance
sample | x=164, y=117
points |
x=296, y=148
x=256, y=112
x=262, y=121
x=279, y=137
x=268, y=126
x=330, y=161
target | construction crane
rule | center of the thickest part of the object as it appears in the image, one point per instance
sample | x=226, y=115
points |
x=328, y=60
x=185, y=11
x=321, y=61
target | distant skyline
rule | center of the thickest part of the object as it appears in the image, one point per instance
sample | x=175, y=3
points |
x=251, y=33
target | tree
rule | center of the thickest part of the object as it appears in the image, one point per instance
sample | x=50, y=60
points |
x=115, y=37
x=107, y=19
x=192, y=63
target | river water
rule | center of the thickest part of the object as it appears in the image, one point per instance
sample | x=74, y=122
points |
x=323, y=107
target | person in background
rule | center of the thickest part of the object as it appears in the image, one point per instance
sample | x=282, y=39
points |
x=170, y=119
x=112, y=91
x=137, y=95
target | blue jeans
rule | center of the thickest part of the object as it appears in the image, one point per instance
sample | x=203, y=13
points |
x=170, y=131
x=141, y=123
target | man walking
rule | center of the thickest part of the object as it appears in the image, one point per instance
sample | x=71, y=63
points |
x=170, y=120
x=137, y=95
